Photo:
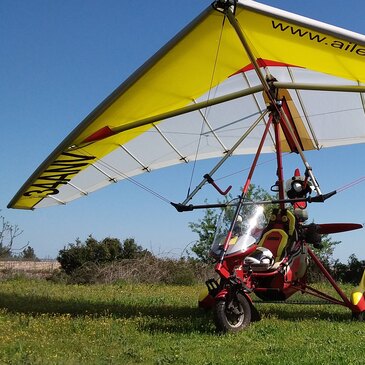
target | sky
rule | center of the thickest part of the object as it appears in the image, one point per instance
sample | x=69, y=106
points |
x=60, y=59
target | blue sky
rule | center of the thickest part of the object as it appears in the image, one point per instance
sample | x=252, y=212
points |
x=59, y=59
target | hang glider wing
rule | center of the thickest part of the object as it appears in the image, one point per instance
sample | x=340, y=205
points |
x=203, y=86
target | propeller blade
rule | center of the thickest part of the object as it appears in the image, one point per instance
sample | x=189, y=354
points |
x=327, y=228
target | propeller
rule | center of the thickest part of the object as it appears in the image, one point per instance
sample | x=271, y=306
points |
x=326, y=228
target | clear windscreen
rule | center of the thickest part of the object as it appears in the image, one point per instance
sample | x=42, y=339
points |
x=247, y=229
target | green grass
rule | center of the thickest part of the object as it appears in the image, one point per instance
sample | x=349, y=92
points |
x=47, y=323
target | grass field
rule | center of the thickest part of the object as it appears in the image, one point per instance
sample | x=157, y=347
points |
x=46, y=323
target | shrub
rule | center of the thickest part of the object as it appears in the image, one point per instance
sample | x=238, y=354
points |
x=147, y=269
x=78, y=254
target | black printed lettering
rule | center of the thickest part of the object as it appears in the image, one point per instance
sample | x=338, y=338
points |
x=31, y=193
x=59, y=173
x=335, y=43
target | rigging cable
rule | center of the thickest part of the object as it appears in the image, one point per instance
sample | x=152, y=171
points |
x=351, y=184
x=135, y=182
x=130, y=179
x=247, y=168
x=206, y=109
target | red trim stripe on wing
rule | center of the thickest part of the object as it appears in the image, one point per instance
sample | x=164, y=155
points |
x=264, y=63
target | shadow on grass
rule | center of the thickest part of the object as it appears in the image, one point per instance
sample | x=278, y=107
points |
x=159, y=317
x=152, y=318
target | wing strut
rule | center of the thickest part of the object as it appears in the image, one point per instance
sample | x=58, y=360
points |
x=106, y=131
x=225, y=157
x=319, y=87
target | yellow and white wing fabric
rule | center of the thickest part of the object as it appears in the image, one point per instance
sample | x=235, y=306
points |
x=157, y=116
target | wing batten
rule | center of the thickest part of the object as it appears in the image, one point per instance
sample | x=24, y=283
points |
x=205, y=119
x=59, y=201
x=135, y=158
x=111, y=179
x=78, y=189
x=182, y=158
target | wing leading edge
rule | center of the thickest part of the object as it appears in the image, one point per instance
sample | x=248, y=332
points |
x=155, y=118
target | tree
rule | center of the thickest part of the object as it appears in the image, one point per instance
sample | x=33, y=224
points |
x=8, y=234
x=28, y=254
x=325, y=255
x=356, y=269
x=205, y=228
x=130, y=250
x=350, y=273
x=325, y=252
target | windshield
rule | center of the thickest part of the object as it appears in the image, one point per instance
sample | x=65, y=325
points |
x=246, y=231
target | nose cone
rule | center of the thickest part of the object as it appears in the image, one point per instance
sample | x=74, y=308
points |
x=357, y=298
x=205, y=301
x=358, y=294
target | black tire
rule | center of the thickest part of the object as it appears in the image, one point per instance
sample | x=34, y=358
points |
x=358, y=316
x=232, y=315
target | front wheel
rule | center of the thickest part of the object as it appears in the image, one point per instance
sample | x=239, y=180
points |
x=232, y=314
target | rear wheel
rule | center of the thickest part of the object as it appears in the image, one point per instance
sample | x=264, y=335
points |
x=232, y=314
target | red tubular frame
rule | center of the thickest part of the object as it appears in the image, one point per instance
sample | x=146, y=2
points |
x=220, y=267
x=258, y=152
x=280, y=117
x=346, y=301
x=304, y=288
x=225, y=268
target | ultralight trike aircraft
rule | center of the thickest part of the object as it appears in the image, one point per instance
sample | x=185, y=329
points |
x=242, y=78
